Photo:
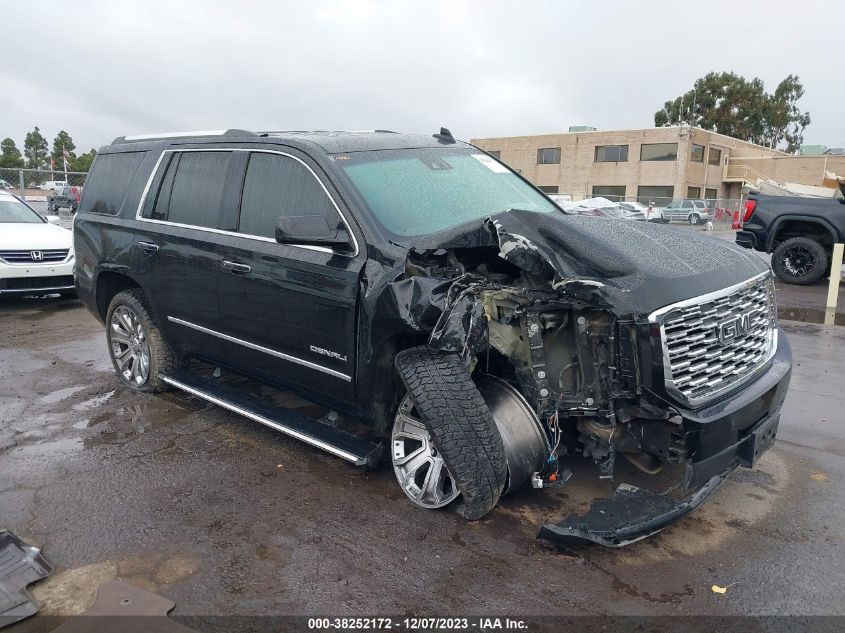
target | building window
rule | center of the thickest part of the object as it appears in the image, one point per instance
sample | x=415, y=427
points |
x=659, y=151
x=548, y=188
x=715, y=157
x=495, y=154
x=548, y=156
x=660, y=196
x=694, y=192
x=711, y=194
x=611, y=154
x=696, y=154
x=611, y=192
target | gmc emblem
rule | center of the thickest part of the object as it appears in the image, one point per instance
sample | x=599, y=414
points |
x=37, y=256
x=734, y=328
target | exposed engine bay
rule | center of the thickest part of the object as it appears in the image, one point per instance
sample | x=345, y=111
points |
x=575, y=364
x=571, y=336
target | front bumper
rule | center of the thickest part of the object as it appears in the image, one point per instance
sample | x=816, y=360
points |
x=36, y=278
x=732, y=432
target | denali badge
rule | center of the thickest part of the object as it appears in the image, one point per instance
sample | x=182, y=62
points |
x=326, y=352
x=734, y=328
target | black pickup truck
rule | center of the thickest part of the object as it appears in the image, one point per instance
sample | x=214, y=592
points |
x=444, y=307
x=798, y=232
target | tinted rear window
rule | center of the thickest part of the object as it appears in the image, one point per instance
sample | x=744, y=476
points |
x=108, y=182
x=192, y=188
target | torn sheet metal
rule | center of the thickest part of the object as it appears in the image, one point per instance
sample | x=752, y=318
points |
x=630, y=515
x=20, y=566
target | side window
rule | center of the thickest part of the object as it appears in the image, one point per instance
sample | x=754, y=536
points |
x=192, y=189
x=108, y=182
x=277, y=186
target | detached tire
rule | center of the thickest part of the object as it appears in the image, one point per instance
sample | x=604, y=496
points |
x=137, y=348
x=800, y=261
x=460, y=426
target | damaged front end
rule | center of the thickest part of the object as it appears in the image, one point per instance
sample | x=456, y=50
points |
x=609, y=355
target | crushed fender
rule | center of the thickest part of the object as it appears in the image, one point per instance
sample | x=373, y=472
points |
x=20, y=566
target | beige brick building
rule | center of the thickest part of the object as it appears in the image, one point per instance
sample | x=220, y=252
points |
x=653, y=163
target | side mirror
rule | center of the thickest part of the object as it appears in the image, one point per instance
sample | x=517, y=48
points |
x=311, y=230
x=52, y=219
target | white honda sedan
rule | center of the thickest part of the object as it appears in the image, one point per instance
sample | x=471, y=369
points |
x=36, y=256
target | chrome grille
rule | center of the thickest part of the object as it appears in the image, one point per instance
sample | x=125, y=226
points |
x=31, y=257
x=712, y=343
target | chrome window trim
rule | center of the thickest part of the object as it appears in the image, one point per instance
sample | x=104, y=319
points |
x=321, y=249
x=260, y=348
x=656, y=317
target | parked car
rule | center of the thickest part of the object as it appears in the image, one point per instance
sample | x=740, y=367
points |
x=36, y=256
x=66, y=197
x=798, y=232
x=692, y=211
x=599, y=207
x=51, y=185
x=4, y=184
x=415, y=285
x=643, y=212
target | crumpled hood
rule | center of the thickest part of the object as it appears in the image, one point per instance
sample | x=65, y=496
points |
x=627, y=267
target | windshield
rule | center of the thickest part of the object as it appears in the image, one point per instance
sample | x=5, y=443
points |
x=420, y=191
x=13, y=210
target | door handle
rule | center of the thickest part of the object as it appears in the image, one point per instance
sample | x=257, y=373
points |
x=235, y=267
x=148, y=247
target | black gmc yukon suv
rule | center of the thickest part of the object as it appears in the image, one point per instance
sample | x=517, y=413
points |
x=418, y=285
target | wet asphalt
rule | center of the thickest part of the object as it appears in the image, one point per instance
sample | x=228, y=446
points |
x=225, y=517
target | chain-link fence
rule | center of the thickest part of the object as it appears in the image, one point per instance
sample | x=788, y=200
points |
x=712, y=213
x=39, y=183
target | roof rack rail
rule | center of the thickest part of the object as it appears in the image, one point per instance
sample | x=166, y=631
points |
x=275, y=132
x=164, y=135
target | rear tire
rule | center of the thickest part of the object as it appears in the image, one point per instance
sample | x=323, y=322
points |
x=800, y=261
x=459, y=424
x=137, y=348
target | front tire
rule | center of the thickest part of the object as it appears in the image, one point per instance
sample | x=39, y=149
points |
x=137, y=348
x=800, y=261
x=694, y=219
x=452, y=424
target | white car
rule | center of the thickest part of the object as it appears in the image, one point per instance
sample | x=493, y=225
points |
x=36, y=256
x=649, y=213
x=51, y=185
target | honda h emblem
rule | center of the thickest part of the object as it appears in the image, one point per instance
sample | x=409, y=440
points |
x=734, y=328
x=37, y=256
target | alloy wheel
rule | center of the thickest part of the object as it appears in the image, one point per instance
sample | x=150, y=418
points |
x=798, y=261
x=420, y=469
x=129, y=346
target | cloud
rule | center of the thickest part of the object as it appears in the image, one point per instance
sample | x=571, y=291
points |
x=104, y=69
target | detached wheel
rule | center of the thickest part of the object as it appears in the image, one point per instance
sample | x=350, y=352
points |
x=138, y=350
x=694, y=219
x=800, y=261
x=445, y=445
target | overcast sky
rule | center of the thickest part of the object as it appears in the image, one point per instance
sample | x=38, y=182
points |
x=104, y=69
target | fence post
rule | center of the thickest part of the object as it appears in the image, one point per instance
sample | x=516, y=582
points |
x=835, y=276
x=20, y=181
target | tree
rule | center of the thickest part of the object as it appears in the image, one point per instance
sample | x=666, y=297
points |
x=730, y=104
x=35, y=149
x=83, y=161
x=63, y=143
x=10, y=155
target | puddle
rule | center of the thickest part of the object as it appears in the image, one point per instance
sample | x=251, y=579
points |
x=812, y=315
x=61, y=394
x=127, y=422
x=93, y=403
